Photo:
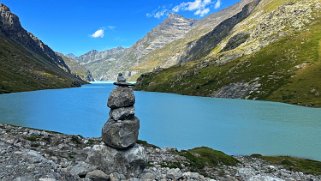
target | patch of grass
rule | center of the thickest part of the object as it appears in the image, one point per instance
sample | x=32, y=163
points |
x=33, y=138
x=91, y=142
x=171, y=165
x=146, y=144
x=76, y=139
x=201, y=157
x=35, y=145
x=296, y=164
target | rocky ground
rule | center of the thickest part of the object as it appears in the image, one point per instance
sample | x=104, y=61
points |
x=28, y=154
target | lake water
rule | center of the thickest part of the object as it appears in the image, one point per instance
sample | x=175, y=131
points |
x=168, y=120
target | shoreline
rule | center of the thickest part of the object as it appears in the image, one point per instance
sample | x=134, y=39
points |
x=173, y=93
x=49, y=150
x=242, y=99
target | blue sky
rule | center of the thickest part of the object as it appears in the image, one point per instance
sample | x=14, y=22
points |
x=78, y=26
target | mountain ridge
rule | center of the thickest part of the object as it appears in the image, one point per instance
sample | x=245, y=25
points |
x=273, y=54
x=26, y=62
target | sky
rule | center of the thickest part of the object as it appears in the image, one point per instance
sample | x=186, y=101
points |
x=78, y=26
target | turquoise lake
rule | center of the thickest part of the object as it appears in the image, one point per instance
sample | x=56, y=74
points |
x=236, y=127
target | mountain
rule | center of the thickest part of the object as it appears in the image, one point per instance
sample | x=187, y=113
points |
x=76, y=68
x=271, y=54
x=105, y=65
x=26, y=63
x=171, y=54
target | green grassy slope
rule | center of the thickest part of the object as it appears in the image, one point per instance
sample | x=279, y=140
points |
x=77, y=69
x=23, y=70
x=288, y=70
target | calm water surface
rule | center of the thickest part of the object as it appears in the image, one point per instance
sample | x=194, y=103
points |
x=170, y=120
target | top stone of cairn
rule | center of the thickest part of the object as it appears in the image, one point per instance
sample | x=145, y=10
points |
x=121, y=81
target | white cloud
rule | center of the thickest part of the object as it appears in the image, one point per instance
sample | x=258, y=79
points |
x=218, y=4
x=199, y=7
x=202, y=12
x=160, y=12
x=98, y=34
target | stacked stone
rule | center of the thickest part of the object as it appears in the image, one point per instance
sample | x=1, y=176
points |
x=122, y=128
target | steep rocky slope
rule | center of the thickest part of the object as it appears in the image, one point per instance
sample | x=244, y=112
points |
x=26, y=63
x=274, y=54
x=106, y=64
x=103, y=63
x=76, y=68
x=171, y=54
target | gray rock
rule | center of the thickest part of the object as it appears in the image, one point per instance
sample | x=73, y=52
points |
x=121, y=78
x=131, y=161
x=124, y=84
x=174, y=174
x=264, y=178
x=121, y=97
x=122, y=113
x=25, y=178
x=81, y=169
x=116, y=177
x=148, y=176
x=97, y=175
x=120, y=134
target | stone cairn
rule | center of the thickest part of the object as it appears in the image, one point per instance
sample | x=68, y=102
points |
x=122, y=128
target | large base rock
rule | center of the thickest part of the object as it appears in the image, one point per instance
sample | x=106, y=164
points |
x=120, y=134
x=121, y=97
x=131, y=161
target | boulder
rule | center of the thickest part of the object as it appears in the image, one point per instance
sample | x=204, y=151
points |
x=97, y=175
x=122, y=113
x=131, y=161
x=81, y=169
x=120, y=134
x=121, y=97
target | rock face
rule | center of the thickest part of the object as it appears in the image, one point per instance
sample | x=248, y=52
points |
x=205, y=44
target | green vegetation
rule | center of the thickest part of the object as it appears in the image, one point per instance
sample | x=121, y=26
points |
x=146, y=144
x=297, y=164
x=201, y=157
x=171, y=165
x=269, y=6
x=32, y=138
x=288, y=70
x=24, y=70
x=76, y=68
